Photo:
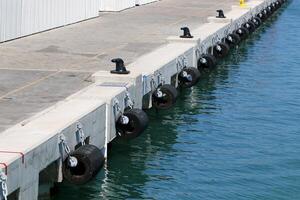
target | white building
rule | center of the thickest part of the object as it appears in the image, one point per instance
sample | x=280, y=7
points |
x=19, y=18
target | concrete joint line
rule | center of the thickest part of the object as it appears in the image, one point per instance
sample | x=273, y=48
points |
x=28, y=85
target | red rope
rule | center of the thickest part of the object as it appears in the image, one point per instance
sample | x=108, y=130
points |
x=5, y=166
x=22, y=154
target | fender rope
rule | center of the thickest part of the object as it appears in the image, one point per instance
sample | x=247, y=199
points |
x=3, y=185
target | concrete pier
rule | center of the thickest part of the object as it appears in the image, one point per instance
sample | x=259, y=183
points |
x=39, y=70
x=56, y=80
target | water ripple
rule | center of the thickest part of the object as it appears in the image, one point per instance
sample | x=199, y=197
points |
x=233, y=136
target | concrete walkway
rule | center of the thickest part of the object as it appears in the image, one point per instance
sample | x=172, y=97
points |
x=39, y=70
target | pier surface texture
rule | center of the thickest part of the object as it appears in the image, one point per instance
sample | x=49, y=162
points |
x=41, y=69
x=53, y=81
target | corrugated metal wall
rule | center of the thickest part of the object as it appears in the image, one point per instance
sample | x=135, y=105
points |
x=92, y=8
x=10, y=19
x=116, y=5
x=24, y=17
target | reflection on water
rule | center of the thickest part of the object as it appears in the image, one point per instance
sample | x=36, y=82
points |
x=233, y=136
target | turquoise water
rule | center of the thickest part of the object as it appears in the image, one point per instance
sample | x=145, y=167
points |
x=236, y=135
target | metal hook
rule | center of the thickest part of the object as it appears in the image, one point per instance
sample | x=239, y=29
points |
x=128, y=101
x=160, y=78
